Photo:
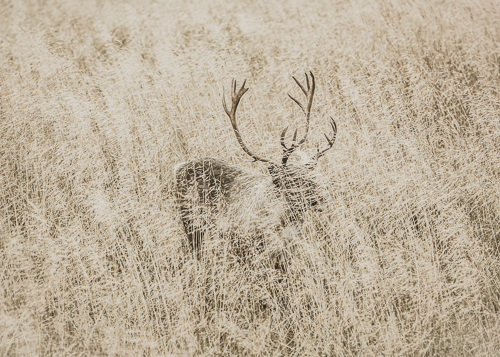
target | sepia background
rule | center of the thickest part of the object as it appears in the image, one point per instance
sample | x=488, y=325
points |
x=100, y=99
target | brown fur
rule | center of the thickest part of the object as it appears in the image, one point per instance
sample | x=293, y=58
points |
x=212, y=193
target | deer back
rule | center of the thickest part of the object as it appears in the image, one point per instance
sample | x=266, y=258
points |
x=211, y=190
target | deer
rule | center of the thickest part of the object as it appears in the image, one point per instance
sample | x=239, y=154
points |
x=214, y=194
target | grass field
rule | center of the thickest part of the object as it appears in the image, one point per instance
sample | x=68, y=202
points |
x=100, y=99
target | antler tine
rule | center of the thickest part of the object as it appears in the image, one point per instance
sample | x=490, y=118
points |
x=300, y=85
x=282, y=138
x=330, y=141
x=235, y=100
x=297, y=102
x=224, y=103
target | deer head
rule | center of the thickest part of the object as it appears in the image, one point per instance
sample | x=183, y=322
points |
x=293, y=181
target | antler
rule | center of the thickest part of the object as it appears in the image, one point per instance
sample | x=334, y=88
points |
x=235, y=100
x=309, y=93
x=330, y=141
x=288, y=151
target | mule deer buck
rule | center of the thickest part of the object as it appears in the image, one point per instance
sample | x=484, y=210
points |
x=213, y=194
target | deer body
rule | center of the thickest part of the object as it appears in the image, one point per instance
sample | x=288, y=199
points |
x=212, y=193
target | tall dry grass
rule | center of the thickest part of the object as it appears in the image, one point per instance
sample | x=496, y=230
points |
x=99, y=100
